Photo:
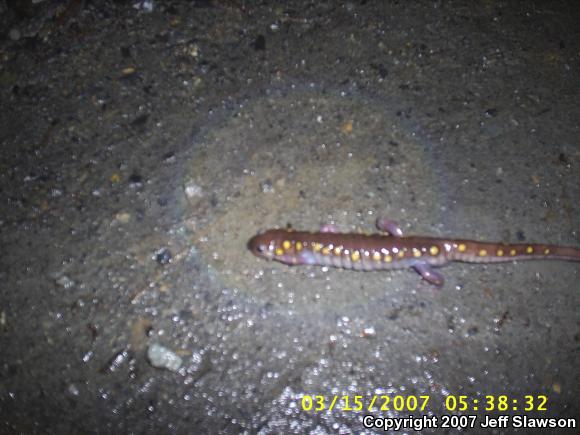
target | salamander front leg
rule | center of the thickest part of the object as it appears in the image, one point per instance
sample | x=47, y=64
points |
x=429, y=274
x=389, y=226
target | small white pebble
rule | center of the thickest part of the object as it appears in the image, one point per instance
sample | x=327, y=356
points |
x=369, y=332
x=65, y=282
x=123, y=217
x=191, y=190
x=163, y=358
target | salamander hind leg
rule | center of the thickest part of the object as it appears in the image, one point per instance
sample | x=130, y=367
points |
x=389, y=226
x=429, y=274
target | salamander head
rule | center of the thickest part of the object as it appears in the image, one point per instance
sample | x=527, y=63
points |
x=276, y=245
x=264, y=244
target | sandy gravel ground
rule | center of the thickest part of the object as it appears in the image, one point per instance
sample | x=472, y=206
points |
x=144, y=142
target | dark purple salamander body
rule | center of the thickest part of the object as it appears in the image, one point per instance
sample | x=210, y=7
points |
x=389, y=251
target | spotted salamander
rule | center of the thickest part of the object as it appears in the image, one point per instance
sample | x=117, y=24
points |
x=391, y=250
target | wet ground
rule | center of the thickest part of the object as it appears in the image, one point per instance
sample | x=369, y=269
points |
x=143, y=144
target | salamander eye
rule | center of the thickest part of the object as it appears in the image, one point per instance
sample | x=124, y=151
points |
x=261, y=249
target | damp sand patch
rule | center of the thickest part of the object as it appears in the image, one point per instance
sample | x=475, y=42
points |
x=301, y=160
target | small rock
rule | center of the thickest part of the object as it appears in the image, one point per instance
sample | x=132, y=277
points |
x=163, y=358
x=266, y=186
x=193, y=51
x=491, y=113
x=145, y=5
x=163, y=256
x=169, y=157
x=128, y=71
x=116, y=361
x=73, y=390
x=65, y=282
x=192, y=190
x=368, y=332
x=346, y=128
x=135, y=181
x=123, y=217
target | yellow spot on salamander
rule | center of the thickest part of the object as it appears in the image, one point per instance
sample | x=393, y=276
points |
x=433, y=250
x=482, y=252
x=499, y=252
x=512, y=252
x=388, y=258
x=416, y=253
x=316, y=247
x=286, y=244
x=401, y=254
x=299, y=246
x=337, y=250
x=546, y=251
x=461, y=247
x=377, y=256
x=355, y=256
x=529, y=250
x=325, y=250
x=279, y=251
